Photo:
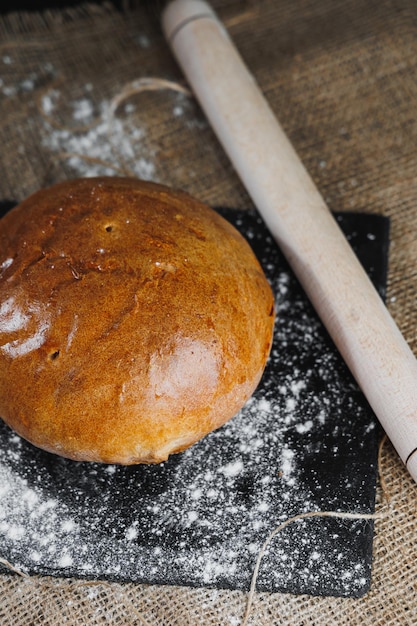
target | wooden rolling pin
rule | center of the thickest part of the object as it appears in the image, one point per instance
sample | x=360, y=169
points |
x=349, y=306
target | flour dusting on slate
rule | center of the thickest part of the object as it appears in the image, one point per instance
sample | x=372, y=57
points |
x=306, y=441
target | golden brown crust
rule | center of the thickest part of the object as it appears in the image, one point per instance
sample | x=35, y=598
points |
x=133, y=320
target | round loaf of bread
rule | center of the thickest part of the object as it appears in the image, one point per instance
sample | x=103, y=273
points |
x=134, y=320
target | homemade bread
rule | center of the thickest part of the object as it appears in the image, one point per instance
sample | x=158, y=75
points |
x=133, y=320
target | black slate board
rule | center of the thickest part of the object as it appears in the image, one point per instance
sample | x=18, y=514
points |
x=306, y=441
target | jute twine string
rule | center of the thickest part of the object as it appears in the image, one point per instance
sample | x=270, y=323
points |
x=133, y=88
x=144, y=84
x=74, y=585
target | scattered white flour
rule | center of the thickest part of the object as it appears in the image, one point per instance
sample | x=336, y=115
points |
x=143, y=40
x=96, y=143
x=232, y=469
x=12, y=85
x=30, y=518
x=30, y=323
x=132, y=532
x=49, y=101
x=305, y=427
x=11, y=318
x=287, y=462
x=82, y=109
x=178, y=111
x=65, y=561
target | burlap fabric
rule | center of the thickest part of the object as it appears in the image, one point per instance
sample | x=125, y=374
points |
x=342, y=77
